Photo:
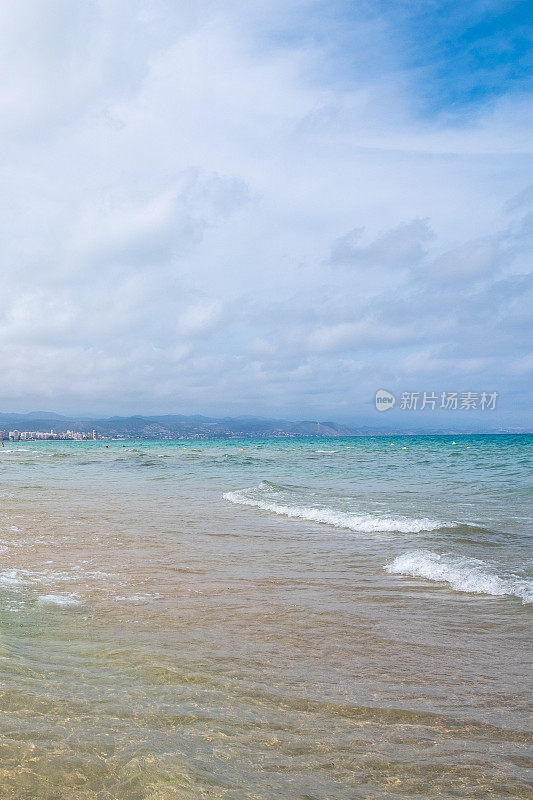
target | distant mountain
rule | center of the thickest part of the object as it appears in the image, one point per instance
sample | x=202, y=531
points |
x=173, y=426
x=181, y=426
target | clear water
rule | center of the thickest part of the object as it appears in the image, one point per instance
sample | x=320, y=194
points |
x=311, y=618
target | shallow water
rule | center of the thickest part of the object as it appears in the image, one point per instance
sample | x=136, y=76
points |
x=265, y=619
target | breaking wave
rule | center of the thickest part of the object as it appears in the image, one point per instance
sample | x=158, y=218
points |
x=461, y=574
x=269, y=497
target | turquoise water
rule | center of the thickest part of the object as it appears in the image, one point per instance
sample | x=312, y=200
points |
x=335, y=618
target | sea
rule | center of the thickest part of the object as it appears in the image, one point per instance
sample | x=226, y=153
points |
x=281, y=619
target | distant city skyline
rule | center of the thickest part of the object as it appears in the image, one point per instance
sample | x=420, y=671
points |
x=23, y=436
x=274, y=209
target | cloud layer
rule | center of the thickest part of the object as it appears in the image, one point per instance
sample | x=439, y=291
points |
x=222, y=210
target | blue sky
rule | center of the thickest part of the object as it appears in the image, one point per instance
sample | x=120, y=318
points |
x=271, y=208
x=467, y=52
x=456, y=54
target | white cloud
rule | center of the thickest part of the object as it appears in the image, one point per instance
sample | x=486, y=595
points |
x=198, y=216
x=199, y=318
x=403, y=246
x=477, y=259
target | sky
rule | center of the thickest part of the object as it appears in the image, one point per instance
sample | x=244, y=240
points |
x=272, y=208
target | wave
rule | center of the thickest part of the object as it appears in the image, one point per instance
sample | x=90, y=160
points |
x=266, y=498
x=16, y=578
x=462, y=574
x=11, y=578
x=138, y=598
x=63, y=600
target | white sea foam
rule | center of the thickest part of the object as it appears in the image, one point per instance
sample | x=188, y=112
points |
x=16, y=578
x=265, y=498
x=11, y=578
x=64, y=600
x=461, y=574
x=138, y=598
